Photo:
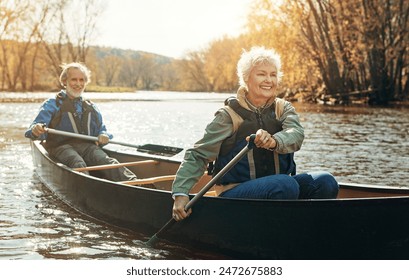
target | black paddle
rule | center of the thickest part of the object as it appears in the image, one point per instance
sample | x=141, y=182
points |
x=154, y=239
x=147, y=148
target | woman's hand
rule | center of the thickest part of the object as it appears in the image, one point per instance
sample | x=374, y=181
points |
x=178, y=211
x=264, y=140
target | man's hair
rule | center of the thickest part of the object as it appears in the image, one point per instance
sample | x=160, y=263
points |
x=77, y=65
x=254, y=57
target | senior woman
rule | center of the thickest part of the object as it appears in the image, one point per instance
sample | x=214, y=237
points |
x=268, y=171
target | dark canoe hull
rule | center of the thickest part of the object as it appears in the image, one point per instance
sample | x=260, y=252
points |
x=349, y=228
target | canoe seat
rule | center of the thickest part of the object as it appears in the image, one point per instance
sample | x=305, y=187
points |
x=210, y=193
x=110, y=166
x=150, y=180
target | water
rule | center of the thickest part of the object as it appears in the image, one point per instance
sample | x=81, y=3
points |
x=360, y=145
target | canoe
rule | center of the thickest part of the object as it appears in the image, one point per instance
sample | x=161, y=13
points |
x=364, y=222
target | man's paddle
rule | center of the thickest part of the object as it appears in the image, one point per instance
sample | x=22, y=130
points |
x=154, y=239
x=147, y=148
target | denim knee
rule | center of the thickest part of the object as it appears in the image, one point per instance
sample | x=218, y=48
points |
x=329, y=184
x=289, y=186
x=270, y=187
x=318, y=185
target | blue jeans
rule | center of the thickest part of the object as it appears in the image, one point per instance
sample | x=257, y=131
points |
x=306, y=185
x=318, y=184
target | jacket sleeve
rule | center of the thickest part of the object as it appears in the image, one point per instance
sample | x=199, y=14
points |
x=204, y=151
x=290, y=139
x=46, y=113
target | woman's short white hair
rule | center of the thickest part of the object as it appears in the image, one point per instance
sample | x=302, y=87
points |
x=254, y=57
x=77, y=65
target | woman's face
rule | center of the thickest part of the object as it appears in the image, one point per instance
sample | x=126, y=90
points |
x=262, y=83
x=75, y=82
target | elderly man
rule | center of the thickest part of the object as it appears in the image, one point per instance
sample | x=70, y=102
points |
x=68, y=111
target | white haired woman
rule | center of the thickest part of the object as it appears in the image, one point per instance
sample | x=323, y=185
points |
x=268, y=171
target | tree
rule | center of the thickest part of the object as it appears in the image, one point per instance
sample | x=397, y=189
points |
x=111, y=68
x=69, y=40
x=357, y=44
x=277, y=26
x=193, y=74
x=220, y=64
x=385, y=33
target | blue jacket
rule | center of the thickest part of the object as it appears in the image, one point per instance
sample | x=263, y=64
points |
x=62, y=113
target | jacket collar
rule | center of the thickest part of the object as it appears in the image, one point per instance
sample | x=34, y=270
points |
x=245, y=103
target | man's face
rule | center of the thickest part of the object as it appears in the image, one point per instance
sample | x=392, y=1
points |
x=75, y=83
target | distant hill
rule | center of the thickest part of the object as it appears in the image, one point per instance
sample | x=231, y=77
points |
x=101, y=52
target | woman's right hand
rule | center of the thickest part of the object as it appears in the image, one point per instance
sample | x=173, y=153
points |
x=264, y=140
x=178, y=211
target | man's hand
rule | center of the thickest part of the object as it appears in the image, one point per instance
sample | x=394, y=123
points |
x=103, y=139
x=38, y=129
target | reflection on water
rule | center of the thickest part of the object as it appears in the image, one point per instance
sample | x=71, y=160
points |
x=361, y=145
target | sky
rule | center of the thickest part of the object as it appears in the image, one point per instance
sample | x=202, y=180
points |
x=169, y=27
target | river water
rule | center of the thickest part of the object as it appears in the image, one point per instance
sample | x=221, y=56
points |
x=358, y=144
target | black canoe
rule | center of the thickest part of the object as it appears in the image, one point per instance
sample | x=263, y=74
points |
x=364, y=222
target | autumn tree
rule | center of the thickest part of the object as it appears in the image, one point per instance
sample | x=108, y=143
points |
x=169, y=78
x=69, y=29
x=111, y=69
x=220, y=64
x=275, y=26
x=19, y=21
x=385, y=33
x=192, y=69
x=357, y=45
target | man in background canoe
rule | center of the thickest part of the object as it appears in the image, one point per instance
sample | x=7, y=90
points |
x=268, y=171
x=68, y=111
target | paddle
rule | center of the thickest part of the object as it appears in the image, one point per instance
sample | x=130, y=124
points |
x=154, y=239
x=147, y=148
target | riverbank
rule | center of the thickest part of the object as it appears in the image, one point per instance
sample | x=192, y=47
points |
x=100, y=96
x=37, y=97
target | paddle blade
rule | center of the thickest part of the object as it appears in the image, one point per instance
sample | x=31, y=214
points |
x=159, y=150
x=152, y=241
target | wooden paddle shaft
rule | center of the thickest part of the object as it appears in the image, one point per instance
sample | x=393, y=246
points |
x=220, y=174
x=86, y=137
